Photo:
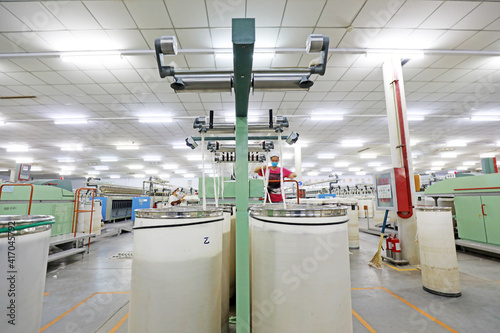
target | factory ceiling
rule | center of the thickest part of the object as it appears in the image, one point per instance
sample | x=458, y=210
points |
x=452, y=92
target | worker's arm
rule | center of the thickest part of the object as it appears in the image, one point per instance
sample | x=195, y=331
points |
x=292, y=175
x=260, y=169
x=176, y=202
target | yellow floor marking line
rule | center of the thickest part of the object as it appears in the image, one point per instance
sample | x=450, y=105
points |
x=45, y=294
x=73, y=308
x=120, y=323
x=361, y=320
x=421, y=311
x=401, y=269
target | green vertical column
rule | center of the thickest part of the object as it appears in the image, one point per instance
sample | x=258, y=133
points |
x=243, y=44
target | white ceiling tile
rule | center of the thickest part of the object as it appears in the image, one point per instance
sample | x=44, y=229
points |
x=322, y=86
x=345, y=85
x=339, y=13
x=51, y=77
x=286, y=60
x=421, y=39
x=293, y=37
x=494, y=26
x=480, y=40
x=221, y=38
x=390, y=39
x=128, y=75
x=7, y=65
x=127, y=39
x=448, y=14
x=69, y=89
x=151, y=14
x=412, y=14
x=151, y=34
x=448, y=61
x=75, y=77
x=355, y=74
x=267, y=37
x=58, y=65
x=101, y=76
x=428, y=74
x=30, y=64
x=92, y=89
x=266, y=13
x=72, y=14
x=34, y=15
x=220, y=14
x=200, y=61
x=358, y=38
x=376, y=13
x=335, y=34
x=197, y=16
x=26, y=78
x=194, y=38
x=336, y=96
x=10, y=22
x=452, y=75
x=480, y=17
x=111, y=14
x=114, y=88
x=23, y=41
x=7, y=80
x=300, y=13
x=46, y=90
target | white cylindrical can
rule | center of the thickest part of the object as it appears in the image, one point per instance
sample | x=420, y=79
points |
x=300, y=277
x=438, y=256
x=352, y=225
x=226, y=266
x=176, y=270
x=24, y=245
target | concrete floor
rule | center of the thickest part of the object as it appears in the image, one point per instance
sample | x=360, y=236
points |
x=91, y=294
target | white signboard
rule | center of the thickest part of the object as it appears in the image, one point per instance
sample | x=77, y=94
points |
x=384, y=192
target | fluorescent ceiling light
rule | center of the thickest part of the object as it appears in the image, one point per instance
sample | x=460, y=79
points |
x=312, y=173
x=102, y=167
x=485, y=118
x=151, y=172
x=415, y=118
x=139, y=175
x=169, y=166
x=194, y=158
x=354, y=169
x=451, y=172
x=64, y=172
x=36, y=168
x=135, y=166
x=326, y=156
x=93, y=172
x=287, y=157
x=326, y=117
x=164, y=175
x=180, y=146
x=72, y=148
x=308, y=165
x=17, y=148
x=368, y=156
x=462, y=168
x=224, y=55
x=2, y=123
x=180, y=172
x=67, y=167
x=381, y=169
x=89, y=58
x=449, y=155
x=161, y=119
x=24, y=160
x=360, y=173
x=326, y=169
x=109, y=159
x=341, y=164
x=352, y=143
x=375, y=164
x=114, y=176
x=65, y=160
x=469, y=163
x=498, y=143
x=127, y=147
x=70, y=121
x=152, y=159
x=188, y=175
x=438, y=163
x=487, y=155
x=414, y=142
x=263, y=55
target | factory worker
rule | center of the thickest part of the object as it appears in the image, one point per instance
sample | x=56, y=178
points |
x=274, y=188
x=177, y=198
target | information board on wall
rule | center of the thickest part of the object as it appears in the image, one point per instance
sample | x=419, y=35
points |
x=23, y=171
x=385, y=190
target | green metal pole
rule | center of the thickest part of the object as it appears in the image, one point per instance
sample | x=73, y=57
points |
x=232, y=138
x=243, y=44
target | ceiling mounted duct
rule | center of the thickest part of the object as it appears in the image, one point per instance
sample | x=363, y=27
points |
x=203, y=83
x=269, y=82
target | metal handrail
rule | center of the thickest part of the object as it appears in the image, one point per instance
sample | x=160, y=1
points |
x=76, y=210
x=289, y=181
x=31, y=194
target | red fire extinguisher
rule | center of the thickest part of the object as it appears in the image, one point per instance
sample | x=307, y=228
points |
x=388, y=246
x=396, y=248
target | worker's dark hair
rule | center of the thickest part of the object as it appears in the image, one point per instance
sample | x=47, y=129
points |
x=176, y=189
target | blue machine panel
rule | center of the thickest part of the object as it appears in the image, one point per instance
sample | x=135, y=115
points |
x=326, y=195
x=140, y=203
x=104, y=203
